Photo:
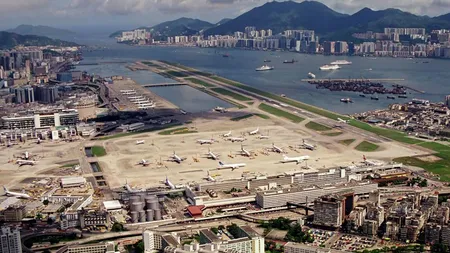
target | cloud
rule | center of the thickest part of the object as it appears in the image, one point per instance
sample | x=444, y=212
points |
x=12, y=6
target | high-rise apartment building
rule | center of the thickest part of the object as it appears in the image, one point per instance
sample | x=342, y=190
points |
x=10, y=240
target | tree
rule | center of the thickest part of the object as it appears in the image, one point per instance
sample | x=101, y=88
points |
x=139, y=247
x=45, y=202
x=117, y=227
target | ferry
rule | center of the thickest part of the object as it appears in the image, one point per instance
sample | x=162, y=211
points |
x=341, y=62
x=311, y=75
x=330, y=67
x=346, y=100
x=264, y=68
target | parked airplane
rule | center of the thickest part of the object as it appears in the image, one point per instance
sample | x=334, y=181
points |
x=230, y=166
x=210, y=141
x=261, y=136
x=254, y=131
x=210, y=178
x=176, y=158
x=276, y=149
x=227, y=134
x=308, y=145
x=212, y=155
x=144, y=163
x=168, y=183
x=140, y=142
x=236, y=139
x=16, y=194
x=245, y=152
x=343, y=120
x=298, y=159
x=21, y=162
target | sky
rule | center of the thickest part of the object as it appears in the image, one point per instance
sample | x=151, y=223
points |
x=110, y=15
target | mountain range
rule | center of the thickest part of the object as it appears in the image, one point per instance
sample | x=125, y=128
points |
x=41, y=30
x=280, y=16
x=9, y=40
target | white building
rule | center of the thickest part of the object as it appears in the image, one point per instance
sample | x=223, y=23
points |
x=10, y=240
x=72, y=182
x=40, y=120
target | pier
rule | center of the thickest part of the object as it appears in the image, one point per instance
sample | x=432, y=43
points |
x=162, y=85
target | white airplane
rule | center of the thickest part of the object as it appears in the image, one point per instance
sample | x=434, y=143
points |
x=144, y=163
x=254, y=131
x=245, y=152
x=210, y=141
x=262, y=137
x=276, y=149
x=21, y=162
x=212, y=155
x=236, y=139
x=230, y=166
x=16, y=194
x=168, y=183
x=227, y=134
x=210, y=178
x=308, y=146
x=176, y=158
x=140, y=142
x=298, y=160
x=343, y=120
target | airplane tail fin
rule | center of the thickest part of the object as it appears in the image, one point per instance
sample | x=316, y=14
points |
x=220, y=163
x=4, y=188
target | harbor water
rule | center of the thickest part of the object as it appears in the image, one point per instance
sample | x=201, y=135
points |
x=428, y=75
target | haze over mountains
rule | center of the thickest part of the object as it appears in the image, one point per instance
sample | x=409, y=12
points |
x=280, y=16
x=41, y=30
x=10, y=40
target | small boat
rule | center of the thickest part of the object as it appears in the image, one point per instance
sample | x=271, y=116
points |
x=390, y=97
x=291, y=61
x=426, y=62
x=402, y=96
x=329, y=67
x=346, y=100
x=283, y=95
x=264, y=68
x=311, y=75
x=267, y=60
x=362, y=95
x=374, y=98
x=225, y=56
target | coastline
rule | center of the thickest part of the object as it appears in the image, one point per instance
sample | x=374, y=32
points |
x=441, y=166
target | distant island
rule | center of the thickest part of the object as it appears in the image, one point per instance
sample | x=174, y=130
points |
x=40, y=30
x=9, y=40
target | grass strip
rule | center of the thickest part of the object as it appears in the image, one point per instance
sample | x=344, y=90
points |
x=316, y=126
x=366, y=146
x=98, y=151
x=231, y=94
x=200, y=82
x=280, y=113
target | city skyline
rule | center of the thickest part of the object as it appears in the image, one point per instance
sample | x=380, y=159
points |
x=111, y=14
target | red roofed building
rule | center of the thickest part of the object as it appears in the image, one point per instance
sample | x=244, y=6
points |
x=196, y=211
